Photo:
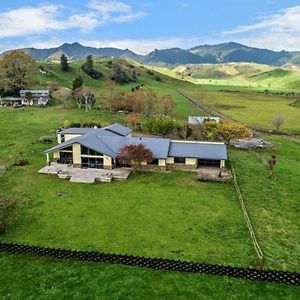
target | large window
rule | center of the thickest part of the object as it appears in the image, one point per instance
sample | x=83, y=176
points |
x=179, y=160
x=90, y=152
x=208, y=163
x=90, y=162
x=66, y=158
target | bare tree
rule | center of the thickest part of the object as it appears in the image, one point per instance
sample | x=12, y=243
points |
x=278, y=121
x=63, y=95
x=84, y=96
x=89, y=99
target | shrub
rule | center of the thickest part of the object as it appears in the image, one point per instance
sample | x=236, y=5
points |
x=159, y=126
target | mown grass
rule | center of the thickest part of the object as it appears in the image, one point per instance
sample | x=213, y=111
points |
x=168, y=215
x=273, y=203
x=177, y=217
x=27, y=277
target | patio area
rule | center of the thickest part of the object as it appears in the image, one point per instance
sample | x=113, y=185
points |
x=214, y=174
x=85, y=175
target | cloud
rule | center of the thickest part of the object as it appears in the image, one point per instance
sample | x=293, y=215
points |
x=113, y=11
x=29, y=21
x=278, y=31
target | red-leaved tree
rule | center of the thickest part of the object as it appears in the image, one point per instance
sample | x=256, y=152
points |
x=135, y=155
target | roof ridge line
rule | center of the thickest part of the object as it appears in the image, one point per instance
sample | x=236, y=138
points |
x=100, y=138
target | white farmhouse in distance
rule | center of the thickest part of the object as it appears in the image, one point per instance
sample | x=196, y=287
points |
x=196, y=120
x=34, y=97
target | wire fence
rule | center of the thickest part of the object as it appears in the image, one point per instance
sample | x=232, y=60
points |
x=291, y=278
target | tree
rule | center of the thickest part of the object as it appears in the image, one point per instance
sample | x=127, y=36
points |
x=78, y=81
x=89, y=99
x=159, y=126
x=52, y=87
x=119, y=75
x=278, y=121
x=88, y=68
x=168, y=104
x=86, y=97
x=28, y=96
x=133, y=120
x=150, y=99
x=64, y=64
x=230, y=130
x=17, y=70
x=113, y=99
x=135, y=155
x=8, y=208
x=63, y=95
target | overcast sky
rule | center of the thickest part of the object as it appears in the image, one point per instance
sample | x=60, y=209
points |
x=142, y=25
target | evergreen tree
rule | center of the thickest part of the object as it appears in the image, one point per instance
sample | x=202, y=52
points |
x=88, y=68
x=64, y=63
x=78, y=81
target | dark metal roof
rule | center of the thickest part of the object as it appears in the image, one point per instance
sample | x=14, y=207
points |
x=202, y=150
x=119, y=129
x=109, y=143
x=159, y=147
x=75, y=130
x=114, y=129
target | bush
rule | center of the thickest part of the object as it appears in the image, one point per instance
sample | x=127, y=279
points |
x=159, y=126
x=118, y=75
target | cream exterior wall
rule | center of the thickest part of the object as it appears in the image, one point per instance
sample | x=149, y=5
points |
x=162, y=162
x=170, y=160
x=71, y=136
x=76, y=154
x=191, y=161
x=107, y=161
x=222, y=163
x=56, y=154
x=59, y=139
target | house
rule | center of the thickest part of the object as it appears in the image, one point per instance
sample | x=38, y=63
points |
x=196, y=120
x=99, y=148
x=34, y=97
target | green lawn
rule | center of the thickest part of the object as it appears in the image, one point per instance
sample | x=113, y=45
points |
x=27, y=277
x=273, y=203
x=165, y=214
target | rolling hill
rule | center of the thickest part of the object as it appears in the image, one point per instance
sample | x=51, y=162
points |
x=221, y=53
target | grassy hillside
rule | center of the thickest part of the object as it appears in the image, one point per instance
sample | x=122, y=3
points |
x=167, y=85
x=248, y=76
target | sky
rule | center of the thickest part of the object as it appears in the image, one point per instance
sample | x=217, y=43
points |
x=142, y=25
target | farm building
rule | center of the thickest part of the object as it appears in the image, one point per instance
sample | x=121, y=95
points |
x=34, y=97
x=100, y=147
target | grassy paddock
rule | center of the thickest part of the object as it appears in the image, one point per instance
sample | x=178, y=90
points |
x=252, y=109
x=25, y=277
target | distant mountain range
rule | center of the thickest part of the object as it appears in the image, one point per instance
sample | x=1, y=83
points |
x=221, y=53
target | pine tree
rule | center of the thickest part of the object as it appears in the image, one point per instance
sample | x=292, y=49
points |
x=78, y=81
x=64, y=63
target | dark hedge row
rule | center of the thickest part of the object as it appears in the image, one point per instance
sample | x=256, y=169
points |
x=158, y=263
